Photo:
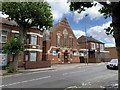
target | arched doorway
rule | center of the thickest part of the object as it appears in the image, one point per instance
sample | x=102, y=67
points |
x=66, y=56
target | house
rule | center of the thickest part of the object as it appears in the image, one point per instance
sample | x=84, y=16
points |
x=32, y=55
x=113, y=52
x=60, y=44
x=92, y=51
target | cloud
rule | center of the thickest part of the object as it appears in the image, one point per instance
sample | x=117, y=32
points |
x=98, y=32
x=78, y=33
x=59, y=8
x=92, y=13
x=4, y=16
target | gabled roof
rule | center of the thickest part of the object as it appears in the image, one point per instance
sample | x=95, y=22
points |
x=64, y=20
x=12, y=23
x=6, y=21
x=89, y=39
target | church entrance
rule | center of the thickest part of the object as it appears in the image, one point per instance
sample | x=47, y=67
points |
x=66, y=56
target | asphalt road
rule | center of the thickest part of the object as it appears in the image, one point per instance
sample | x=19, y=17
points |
x=95, y=76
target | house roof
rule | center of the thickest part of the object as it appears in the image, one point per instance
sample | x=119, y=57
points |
x=64, y=20
x=6, y=21
x=89, y=39
x=11, y=22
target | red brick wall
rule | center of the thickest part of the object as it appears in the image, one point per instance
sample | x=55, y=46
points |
x=113, y=52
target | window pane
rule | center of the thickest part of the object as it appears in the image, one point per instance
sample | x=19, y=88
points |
x=4, y=38
x=34, y=40
x=4, y=32
x=33, y=56
x=65, y=41
x=58, y=40
x=71, y=42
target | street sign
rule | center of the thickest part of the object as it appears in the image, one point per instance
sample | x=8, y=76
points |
x=54, y=53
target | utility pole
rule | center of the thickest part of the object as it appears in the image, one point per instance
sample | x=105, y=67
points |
x=86, y=41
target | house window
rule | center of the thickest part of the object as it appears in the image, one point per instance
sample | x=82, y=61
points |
x=58, y=40
x=97, y=45
x=101, y=47
x=16, y=35
x=28, y=39
x=92, y=45
x=71, y=42
x=33, y=39
x=4, y=36
x=26, y=56
x=33, y=56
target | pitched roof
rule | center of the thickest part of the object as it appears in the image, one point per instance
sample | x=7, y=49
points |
x=64, y=20
x=89, y=39
x=6, y=21
x=11, y=22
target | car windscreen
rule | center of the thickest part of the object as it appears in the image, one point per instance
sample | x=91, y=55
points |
x=114, y=61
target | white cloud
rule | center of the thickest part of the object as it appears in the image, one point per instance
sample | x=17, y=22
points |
x=78, y=33
x=59, y=8
x=4, y=16
x=98, y=32
x=92, y=13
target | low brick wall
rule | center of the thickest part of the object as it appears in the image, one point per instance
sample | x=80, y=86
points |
x=39, y=64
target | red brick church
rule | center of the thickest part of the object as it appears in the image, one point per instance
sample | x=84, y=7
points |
x=60, y=44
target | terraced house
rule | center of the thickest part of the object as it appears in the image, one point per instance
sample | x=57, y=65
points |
x=92, y=50
x=32, y=55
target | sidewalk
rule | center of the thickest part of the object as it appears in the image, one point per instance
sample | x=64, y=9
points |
x=59, y=67
x=53, y=67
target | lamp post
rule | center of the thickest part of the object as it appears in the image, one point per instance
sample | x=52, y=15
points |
x=86, y=41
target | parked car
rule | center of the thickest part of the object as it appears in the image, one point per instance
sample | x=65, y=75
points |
x=113, y=64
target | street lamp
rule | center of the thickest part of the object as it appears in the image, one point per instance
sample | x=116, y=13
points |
x=86, y=41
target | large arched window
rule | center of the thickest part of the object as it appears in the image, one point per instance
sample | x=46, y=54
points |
x=58, y=39
x=65, y=32
x=71, y=41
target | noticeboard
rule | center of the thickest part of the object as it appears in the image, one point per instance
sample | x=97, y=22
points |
x=3, y=59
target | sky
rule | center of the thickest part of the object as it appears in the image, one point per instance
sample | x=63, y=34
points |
x=94, y=22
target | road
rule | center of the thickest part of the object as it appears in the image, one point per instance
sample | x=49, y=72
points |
x=94, y=76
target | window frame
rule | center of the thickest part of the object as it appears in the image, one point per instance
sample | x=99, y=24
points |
x=35, y=56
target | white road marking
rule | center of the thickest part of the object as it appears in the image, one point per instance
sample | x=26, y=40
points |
x=73, y=72
x=26, y=81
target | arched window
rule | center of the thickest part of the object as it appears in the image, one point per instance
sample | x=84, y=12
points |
x=58, y=39
x=65, y=32
x=71, y=41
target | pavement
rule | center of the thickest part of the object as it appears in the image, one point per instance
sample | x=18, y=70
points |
x=53, y=67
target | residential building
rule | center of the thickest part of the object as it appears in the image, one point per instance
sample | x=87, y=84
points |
x=32, y=55
x=91, y=50
x=62, y=46
x=113, y=52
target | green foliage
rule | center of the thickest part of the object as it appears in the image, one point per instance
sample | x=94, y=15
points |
x=106, y=10
x=10, y=69
x=13, y=46
x=80, y=6
x=28, y=14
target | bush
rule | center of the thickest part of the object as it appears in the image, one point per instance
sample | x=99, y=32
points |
x=10, y=69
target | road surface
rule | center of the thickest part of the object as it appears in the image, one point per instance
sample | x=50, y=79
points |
x=94, y=76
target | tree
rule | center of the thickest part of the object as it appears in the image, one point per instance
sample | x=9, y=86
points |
x=28, y=14
x=109, y=9
x=13, y=48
